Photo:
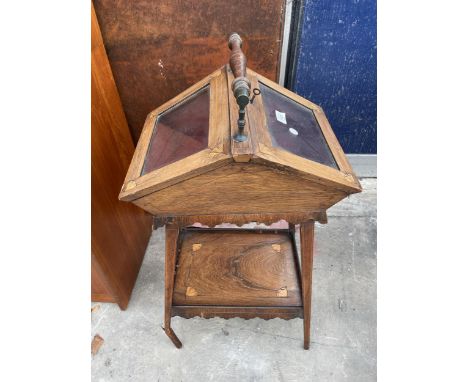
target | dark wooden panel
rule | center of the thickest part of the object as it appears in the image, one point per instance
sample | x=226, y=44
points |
x=119, y=231
x=159, y=48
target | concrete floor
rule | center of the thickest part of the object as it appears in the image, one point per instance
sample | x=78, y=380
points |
x=343, y=333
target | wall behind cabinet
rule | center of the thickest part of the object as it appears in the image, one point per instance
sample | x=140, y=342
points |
x=336, y=67
x=158, y=48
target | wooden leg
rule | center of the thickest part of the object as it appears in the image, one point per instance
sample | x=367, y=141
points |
x=172, y=235
x=307, y=253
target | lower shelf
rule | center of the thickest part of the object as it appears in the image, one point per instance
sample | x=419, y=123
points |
x=237, y=273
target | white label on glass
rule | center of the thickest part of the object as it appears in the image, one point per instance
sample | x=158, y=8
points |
x=281, y=117
x=293, y=131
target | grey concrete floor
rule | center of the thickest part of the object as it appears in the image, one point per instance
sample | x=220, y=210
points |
x=343, y=332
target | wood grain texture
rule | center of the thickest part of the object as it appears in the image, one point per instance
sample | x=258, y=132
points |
x=236, y=267
x=119, y=231
x=239, y=188
x=302, y=167
x=100, y=290
x=193, y=166
x=307, y=255
x=172, y=240
x=159, y=48
x=256, y=116
x=219, y=140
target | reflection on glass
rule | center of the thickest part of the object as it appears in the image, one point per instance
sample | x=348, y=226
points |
x=179, y=132
x=293, y=127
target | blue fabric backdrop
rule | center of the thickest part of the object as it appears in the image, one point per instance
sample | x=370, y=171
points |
x=336, y=68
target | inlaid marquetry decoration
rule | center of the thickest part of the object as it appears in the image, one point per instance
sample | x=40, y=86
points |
x=238, y=148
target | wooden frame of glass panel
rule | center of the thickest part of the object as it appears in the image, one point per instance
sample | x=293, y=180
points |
x=215, y=155
x=222, y=148
x=343, y=178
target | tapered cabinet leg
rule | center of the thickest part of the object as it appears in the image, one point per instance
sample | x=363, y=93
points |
x=307, y=253
x=172, y=235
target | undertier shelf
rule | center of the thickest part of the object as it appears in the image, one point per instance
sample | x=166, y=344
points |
x=237, y=273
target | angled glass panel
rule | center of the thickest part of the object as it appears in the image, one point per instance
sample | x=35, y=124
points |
x=293, y=128
x=179, y=132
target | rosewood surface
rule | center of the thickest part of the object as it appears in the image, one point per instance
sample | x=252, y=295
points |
x=231, y=272
x=233, y=267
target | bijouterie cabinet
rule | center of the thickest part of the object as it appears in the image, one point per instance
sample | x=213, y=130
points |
x=238, y=148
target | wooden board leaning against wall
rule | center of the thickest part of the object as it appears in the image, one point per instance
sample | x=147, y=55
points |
x=157, y=49
x=119, y=231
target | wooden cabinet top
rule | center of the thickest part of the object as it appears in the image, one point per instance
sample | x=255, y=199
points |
x=189, y=162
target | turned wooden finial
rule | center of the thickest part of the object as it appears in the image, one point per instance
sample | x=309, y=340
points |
x=241, y=84
x=238, y=61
